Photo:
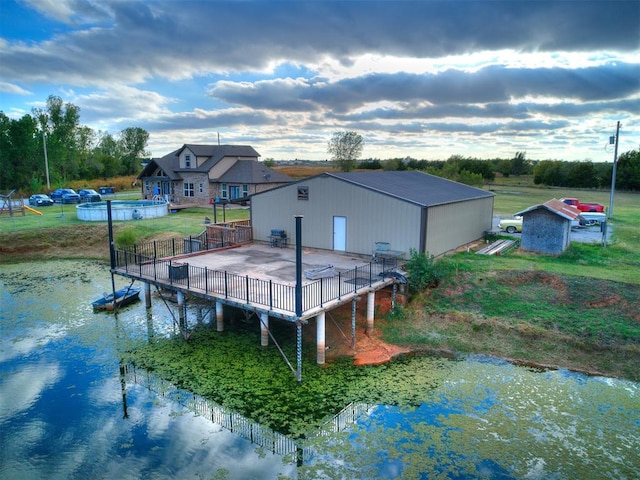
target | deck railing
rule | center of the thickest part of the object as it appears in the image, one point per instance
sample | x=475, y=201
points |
x=242, y=426
x=244, y=289
x=228, y=419
x=215, y=236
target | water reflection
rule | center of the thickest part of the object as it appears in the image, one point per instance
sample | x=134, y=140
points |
x=61, y=394
x=70, y=409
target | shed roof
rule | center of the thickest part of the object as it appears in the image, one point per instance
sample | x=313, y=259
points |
x=555, y=206
x=412, y=186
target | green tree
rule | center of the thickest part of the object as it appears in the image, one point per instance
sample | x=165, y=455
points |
x=519, y=164
x=345, y=148
x=628, y=171
x=132, y=142
x=21, y=157
x=60, y=122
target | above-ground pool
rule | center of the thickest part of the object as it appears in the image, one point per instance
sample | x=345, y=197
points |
x=122, y=210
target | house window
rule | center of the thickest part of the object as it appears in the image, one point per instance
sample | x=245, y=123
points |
x=201, y=188
x=245, y=190
x=224, y=190
x=187, y=161
x=188, y=190
x=303, y=193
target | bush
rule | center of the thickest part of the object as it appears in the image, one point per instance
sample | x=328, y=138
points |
x=126, y=238
x=423, y=271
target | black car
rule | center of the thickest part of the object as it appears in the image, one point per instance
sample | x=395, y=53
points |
x=40, y=200
x=89, y=195
x=65, y=195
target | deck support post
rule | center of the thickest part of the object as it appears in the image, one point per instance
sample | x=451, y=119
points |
x=371, y=302
x=147, y=295
x=219, y=316
x=264, y=329
x=181, y=308
x=320, y=338
x=353, y=321
x=393, y=296
x=299, y=351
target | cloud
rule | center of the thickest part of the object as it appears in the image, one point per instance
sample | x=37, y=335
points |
x=146, y=39
x=19, y=391
x=452, y=87
x=277, y=74
x=13, y=89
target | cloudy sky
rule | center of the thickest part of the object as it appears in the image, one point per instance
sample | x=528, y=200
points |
x=425, y=79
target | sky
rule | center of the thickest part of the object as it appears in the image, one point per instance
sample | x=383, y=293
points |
x=420, y=79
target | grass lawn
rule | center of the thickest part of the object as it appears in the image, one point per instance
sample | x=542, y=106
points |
x=58, y=233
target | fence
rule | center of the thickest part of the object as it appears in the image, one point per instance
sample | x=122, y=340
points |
x=215, y=236
x=230, y=420
x=242, y=288
x=240, y=425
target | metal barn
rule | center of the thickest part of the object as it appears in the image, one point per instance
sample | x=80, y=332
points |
x=365, y=212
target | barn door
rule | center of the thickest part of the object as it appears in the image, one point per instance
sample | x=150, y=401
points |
x=340, y=233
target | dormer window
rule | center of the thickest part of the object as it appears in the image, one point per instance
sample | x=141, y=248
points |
x=187, y=161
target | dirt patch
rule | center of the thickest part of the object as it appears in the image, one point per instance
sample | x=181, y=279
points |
x=368, y=347
x=605, y=302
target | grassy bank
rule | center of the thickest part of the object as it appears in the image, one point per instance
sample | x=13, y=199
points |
x=58, y=233
x=578, y=310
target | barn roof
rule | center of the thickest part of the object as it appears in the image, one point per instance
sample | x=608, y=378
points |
x=555, y=206
x=413, y=186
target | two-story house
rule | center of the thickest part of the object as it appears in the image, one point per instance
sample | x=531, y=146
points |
x=205, y=173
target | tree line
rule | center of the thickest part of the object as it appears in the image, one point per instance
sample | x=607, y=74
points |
x=346, y=147
x=552, y=173
x=72, y=151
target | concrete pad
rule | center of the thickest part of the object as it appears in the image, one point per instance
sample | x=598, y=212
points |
x=258, y=260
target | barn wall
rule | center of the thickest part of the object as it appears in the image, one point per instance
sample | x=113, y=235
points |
x=454, y=224
x=371, y=216
x=545, y=232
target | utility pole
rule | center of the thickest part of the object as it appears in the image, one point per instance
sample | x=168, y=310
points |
x=46, y=160
x=613, y=172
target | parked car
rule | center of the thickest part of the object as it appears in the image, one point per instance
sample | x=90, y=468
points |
x=65, y=195
x=511, y=225
x=89, y=195
x=40, y=200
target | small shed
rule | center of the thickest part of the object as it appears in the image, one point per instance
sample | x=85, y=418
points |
x=546, y=228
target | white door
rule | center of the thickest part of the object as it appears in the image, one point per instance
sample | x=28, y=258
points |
x=340, y=233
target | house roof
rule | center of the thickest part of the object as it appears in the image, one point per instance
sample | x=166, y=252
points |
x=555, y=206
x=167, y=164
x=252, y=171
x=412, y=186
x=170, y=163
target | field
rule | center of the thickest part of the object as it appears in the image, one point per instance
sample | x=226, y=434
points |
x=578, y=310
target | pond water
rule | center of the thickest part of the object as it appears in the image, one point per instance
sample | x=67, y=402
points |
x=67, y=412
